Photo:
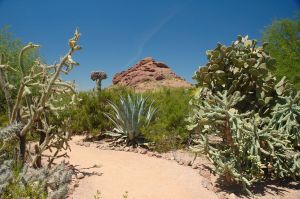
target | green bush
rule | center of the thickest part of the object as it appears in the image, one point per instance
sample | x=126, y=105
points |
x=10, y=48
x=87, y=116
x=3, y=119
x=284, y=45
x=168, y=130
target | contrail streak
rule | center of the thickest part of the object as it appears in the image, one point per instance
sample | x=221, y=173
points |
x=149, y=36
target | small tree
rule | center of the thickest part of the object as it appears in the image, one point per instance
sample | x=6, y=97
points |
x=284, y=45
x=98, y=77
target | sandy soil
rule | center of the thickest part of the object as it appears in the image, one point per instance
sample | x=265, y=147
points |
x=141, y=176
x=113, y=173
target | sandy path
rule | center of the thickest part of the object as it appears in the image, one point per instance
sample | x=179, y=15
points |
x=142, y=176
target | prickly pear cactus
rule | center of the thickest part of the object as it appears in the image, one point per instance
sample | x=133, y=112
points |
x=245, y=68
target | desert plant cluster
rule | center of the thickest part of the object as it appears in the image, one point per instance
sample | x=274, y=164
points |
x=129, y=117
x=247, y=122
x=240, y=115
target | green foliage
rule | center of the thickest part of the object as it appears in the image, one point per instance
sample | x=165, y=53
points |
x=3, y=119
x=14, y=191
x=10, y=48
x=3, y=111
x=130, y=115
x=168, y=131
x=87, y=115
x=283, y=37
x=245, y=122
x=98, y=195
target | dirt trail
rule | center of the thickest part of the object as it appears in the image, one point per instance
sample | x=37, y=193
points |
x=142, y=176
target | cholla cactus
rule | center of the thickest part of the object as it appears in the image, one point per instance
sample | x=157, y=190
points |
x=242, y=146
x=286, y=117
x=5, y=174
x=8, y=136
x=98, y=77
x=245, y=120
x=37, y=98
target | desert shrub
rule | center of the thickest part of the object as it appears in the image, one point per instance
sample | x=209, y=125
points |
x=284, y=45
x=245, y=121
x=10, y=48
x=25, y=182
x=12, y=187
x=129, y=116
x=87, y=115
x=168, y=131
x=3, y=120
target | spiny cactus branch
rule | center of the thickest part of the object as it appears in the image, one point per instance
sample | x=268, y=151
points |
x=32, y=108
x=245, y=122
x=21, y=58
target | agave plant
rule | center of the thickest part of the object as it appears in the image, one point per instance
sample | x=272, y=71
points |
x=133, y=113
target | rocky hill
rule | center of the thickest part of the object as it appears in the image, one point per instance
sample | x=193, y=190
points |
x=149, y=74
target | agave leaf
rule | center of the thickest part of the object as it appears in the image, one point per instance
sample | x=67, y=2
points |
x=113, y=134
x=128, y=116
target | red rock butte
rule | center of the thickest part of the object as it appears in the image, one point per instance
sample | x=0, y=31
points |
x=149, y=74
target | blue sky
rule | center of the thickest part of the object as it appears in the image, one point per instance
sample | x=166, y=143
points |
x=118, y=33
